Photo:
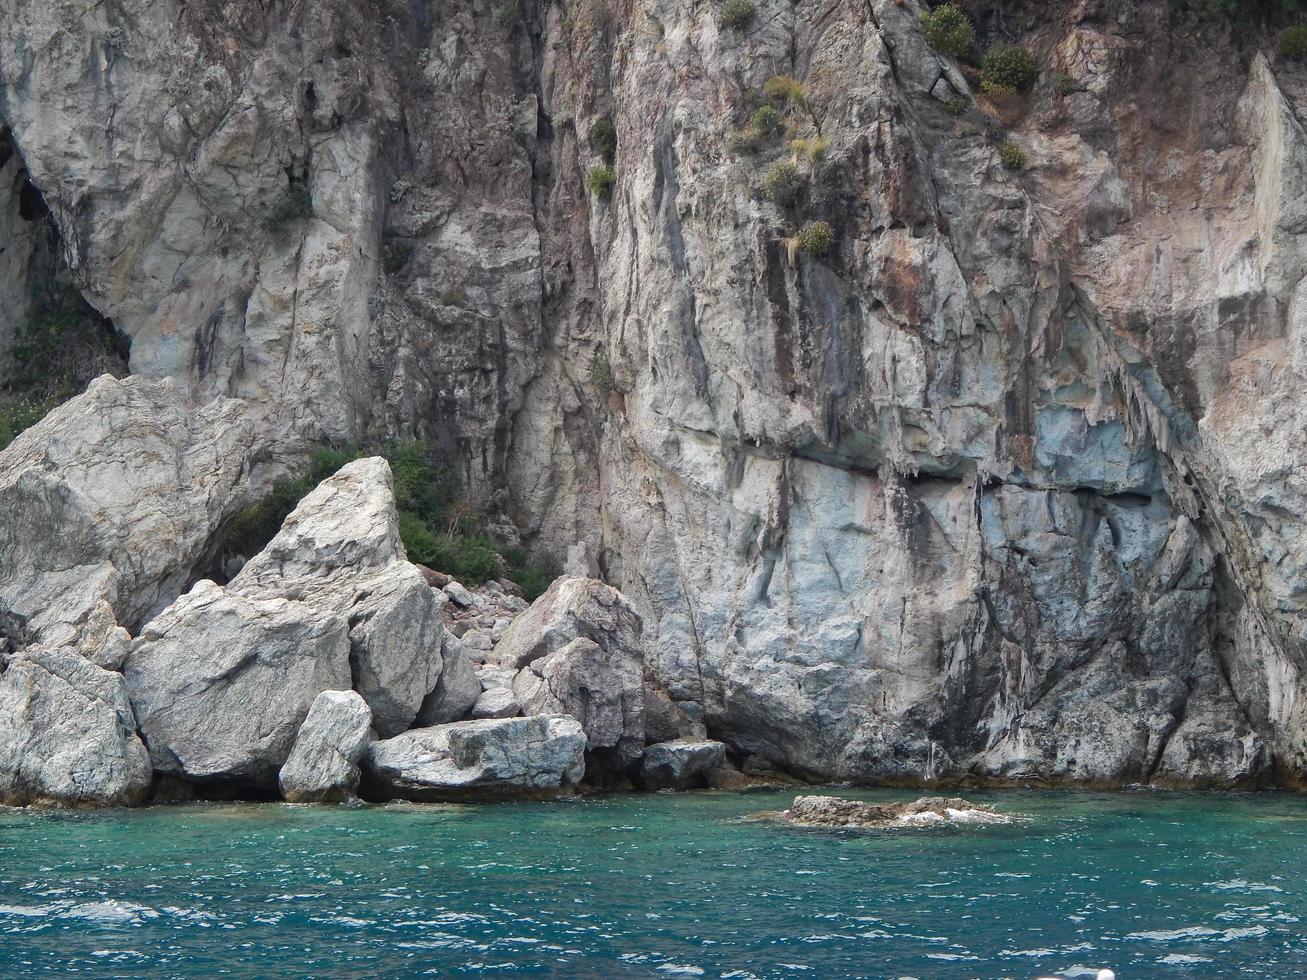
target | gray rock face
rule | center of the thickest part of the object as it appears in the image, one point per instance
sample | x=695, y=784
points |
x=67, y=733
x=221, y=683
x=324, y=762
x=682, y=764
x=496, y=702
x=571, y=608
x=457, y=690
x=602, y=689
x=511, y=757
x=108, y=505
x=340, y=553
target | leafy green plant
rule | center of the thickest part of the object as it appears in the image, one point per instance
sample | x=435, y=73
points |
x=738, y=14
x=957, y=105
x=1011, y=155
x=601, y=373
x=767, y=121
x=948, y=30
x=22, y=412
x=603, y=140
x=816, y=239
x=1007, y=68
x=600, y=180
x=782, y=184
x=1293, y=42
x=785, y=90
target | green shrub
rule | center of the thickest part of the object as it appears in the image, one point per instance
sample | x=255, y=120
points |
x=1007, y=68
x=294, y=206
x=1063, y=83
x=957, y=105
x=816, y=239
x=1011, y=155
x=767, y=122
x=601, y=373
x=782, y=184
x=785, y=89
x=600, y=180
x=21, y=413
x=1293, y=42
x=603, y=140
x=814, y=149
x=948, y=30
x=738, y=14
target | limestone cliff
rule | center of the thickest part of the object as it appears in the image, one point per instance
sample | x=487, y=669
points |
x=1009, y=484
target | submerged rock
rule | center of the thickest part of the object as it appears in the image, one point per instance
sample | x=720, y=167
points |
x=831, y=811
x=67, y=733
x=571, y=608
x=681, y=764
x=323, y=764
x=221, y=683
x=510, y=757
x=340, y=552
x=603, y=689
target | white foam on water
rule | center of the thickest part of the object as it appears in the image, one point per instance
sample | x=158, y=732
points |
x=681, y=970
x=1178, y=959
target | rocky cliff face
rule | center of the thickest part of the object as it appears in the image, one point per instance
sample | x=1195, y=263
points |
x=1008, y=485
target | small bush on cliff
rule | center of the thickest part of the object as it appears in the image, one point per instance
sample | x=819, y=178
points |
x=738, y=14
x=1293, y=42
x=816, y=239
x=603, y=140
x=1007, y=68
x=948, y=30
x=600, y=180
x=293, y=207
x=1011, y=155
x=22, y=412
x=782, y=183
x=785, y=90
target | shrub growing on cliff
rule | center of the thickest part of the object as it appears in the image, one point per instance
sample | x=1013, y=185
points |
x=948, y=30
x=767, y=122
x=782, y=183
x=22, y=412
x=785, y=90
x=603, y=140
x=816, y=239
x=738, y=14
x=1007, y=68
x=1293, y=42
x=600, y=180
x=1011, y=155
x=291, y=208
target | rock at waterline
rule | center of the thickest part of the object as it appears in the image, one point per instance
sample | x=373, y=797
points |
x=323, y=764
x=929, y=811
x=482, y=759
x=681, y=764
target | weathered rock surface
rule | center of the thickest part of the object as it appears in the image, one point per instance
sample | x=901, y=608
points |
x=496, y=702
x=602, y=689
x=340, y=553
x=682, y=764
x=456, y=691
x=1009, y=485
x=67, y=733
x=323, y=766
x=571, y=608
x=221, y=683
x=836, y=813
x=511, y=757
x=108, y=506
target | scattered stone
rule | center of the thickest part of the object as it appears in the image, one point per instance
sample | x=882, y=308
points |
x=493, y=758
x=323, y=764
x=496, y=702
x=67, y=733
x=603, y=690
x=435, y=579
x=831, y=811
x=461, y=595
x=221, y=683
x=682, y=764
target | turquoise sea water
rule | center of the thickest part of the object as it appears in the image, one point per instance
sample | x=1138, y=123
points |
x=1150, y=884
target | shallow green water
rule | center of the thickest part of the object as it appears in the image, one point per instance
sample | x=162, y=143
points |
x=1153, y=885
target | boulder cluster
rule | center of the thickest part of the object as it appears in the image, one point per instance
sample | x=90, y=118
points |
x=330, y=666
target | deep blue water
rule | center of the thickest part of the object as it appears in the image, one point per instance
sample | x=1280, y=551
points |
x=1150, y=884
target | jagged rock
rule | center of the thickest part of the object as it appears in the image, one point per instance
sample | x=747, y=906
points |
x=511, y=757
x=67, y=733
x=221, y=683
x=457, y=690
x=108, y=505
x=664, y=719
x=459, y=594
x=836, y=813
x=681, y=764
x=323, y=766
x=602, y=689
x=571, y=608
x=496, y=702
x=340, y=552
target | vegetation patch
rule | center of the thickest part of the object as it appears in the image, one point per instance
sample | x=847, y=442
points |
x=738, y=14
x=603, y=140
x=600, y=180
x=438, y=528
x=948, y=30
x=782, y=184
x=1007, y=68
x=291, y=209
x=1293, y=42
x=1011, y=155
x=816, y=239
